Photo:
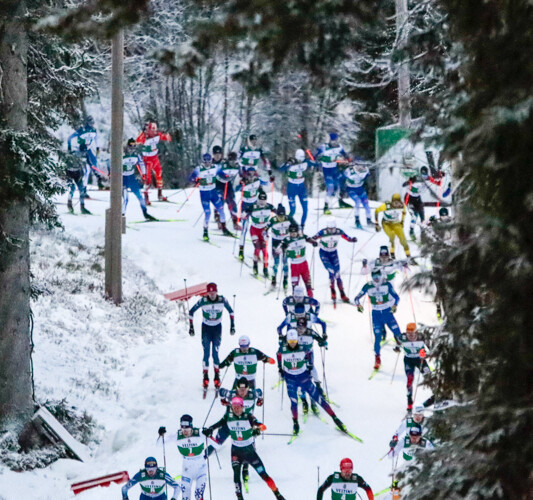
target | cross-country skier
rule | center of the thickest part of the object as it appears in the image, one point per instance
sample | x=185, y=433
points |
x=393, y=218
x=344, y=484
x=389, y=266
x=328, y=239
x=251, y=155
x=298, y=297
x=384, y=301
x=85, y=141
x=294, y=246
x=251, y=188
x=257, y=216
x=411, y=444
x=296, y=168
x=291, y=319
x=245, y=360
x=150, y=138
x=355, y=176
x=224, y=182
x=416, y=420
x=295, y=365
x=279, y=226
x=328, y=155
x=205, y=175
x=243, y=429
x=75, y=170
x=212, y=308
x=415, y=352
x=250, y=398
x=191, y=446
x=152, y=480
x=131, y=161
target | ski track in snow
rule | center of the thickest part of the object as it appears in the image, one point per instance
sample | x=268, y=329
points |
x=134, y=368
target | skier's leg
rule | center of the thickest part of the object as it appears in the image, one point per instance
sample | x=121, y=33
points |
x=255, y=234
x=379, y=328
x=306, y=277
x=303, y=201
x=277, y=256
x=187, y=477
x=410, y=374
x=205, y=199
x=398, y=230
x=236, y=465
x=364, y=200
x=389, y=231
x=291, y=194
x=254, y=460
x=136, y=190
x=124, y=197
x=158, y=171
x=295, y=275
x=216, y=339
x=219, y=205
x=330, y=188
x=316, y=396
x=292, y=392
x=201, y=479
x=206, y=344
x=390, y=321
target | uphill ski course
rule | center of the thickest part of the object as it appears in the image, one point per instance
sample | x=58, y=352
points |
x=159, y=377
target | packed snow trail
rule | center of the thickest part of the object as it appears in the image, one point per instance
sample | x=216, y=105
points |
x=154, y=381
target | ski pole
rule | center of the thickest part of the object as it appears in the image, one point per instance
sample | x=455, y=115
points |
x=318, y=475
x=351, y=268
x=165, y=463
x=276, y=434
x=218, y=459
x=208, y=470
x=417, y=383
x=263, y=415
x=187, y=199
x=410, y=297
x=394, y=371
x=187, y=299
x=386, y=455
x=199, y=217
x=215, y=397
x=323, y=355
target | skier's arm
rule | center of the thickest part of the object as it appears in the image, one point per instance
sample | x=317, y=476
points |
x=318, y=235
x=401, y=429
x=261, y=356
x=228, y=360
x=194, y=308
x=310, y=240
x=170, y=481
x=282, y=325
x=361, y=294
x=231, y=316
x=393, y=293
x=347, y=238
x=209, y=430
x=165, y=137
x=363, y=485
x=74, y=135
x=130, y=484
x=142, y=138
x=315, y=303
x=284, y=305
x=141, y=165
x=193, y=178
x=325, y=485
x=322, y=324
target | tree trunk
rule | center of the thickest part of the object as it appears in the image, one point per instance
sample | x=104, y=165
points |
x=16, y=404
x=225, y=109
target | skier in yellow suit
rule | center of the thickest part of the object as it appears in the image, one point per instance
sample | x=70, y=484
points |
x=392, y=222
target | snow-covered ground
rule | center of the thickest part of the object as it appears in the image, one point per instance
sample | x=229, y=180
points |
x=135, y=368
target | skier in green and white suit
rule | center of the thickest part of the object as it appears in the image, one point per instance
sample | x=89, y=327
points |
x=245, y=360
x=152, y=481
x=243, y=429
x=191, y=446
x=411, y=444
x=344, y=484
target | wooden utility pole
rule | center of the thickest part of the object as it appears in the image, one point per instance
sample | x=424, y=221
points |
x=404, y=81
x=113, y=227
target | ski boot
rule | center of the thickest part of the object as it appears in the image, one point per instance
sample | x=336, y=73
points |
x=333, y=293
x=274, y=283
x=377, y=364
x=344, y=297
x=305, y=406
x=206, y=234
x=146, y=199
x=409, y=403
x=225, y=230
x=147, y=216
x=295, y=426
x=160, y=196
x=255, y=269
x=358, y=222
x=412, y=235
x=70, y=207
x=238, y=491
x=343, y=204
x=265, y=272
x=216, y=380
x=236, y=225
x=439, y=311
x=369, y=221
x=241, y=252
x=327, y=211
x=84, y=210
x=205, y=382
x=285, y=282
x=339, y=424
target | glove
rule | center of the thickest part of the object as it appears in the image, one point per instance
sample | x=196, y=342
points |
x=207, y=431
x=422, y=353
x=393, y=309
x=162, y=431
x=256, y=431
x=378, y=227
x=271, y=178
x=393, y=442
x=353, y=239
x=191, y=330
x=259, y=402
x=426, y=370
x=314, y=243
x=365, y=262
x=224, y=402
x=396, y=348
x=232, y=328
x=323, y=343
x=144, y=180
x=270, y=361
x=360, y=308
x=280, y=371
